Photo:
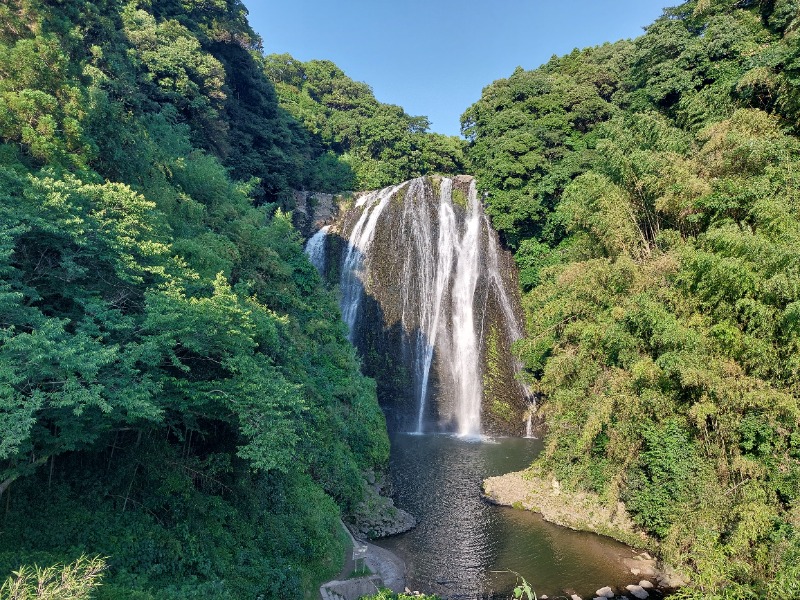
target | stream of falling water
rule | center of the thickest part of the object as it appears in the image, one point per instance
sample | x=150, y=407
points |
x=440, y=273
x=465, y=357
x=443, y=250
x=315, y=249
x=359, y=243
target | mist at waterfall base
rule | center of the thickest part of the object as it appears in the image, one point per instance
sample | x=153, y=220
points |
x=424, y=283
x=464, y=547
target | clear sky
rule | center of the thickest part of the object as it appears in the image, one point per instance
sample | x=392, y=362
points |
x=433, y=57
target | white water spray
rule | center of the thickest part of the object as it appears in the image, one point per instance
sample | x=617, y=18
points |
x=439, y=253
x=465, y=358
x=315, y=249
x=357, y=249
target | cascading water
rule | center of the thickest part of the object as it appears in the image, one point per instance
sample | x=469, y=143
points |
x=431, y=281
x=372, y=206
x=424, y=254
x=315, y=248
x=465, y=359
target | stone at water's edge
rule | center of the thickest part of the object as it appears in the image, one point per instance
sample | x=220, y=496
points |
x=637, y=591
x=376, y=516
x=432, y=303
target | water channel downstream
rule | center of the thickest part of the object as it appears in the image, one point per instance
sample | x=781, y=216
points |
x=464, y=547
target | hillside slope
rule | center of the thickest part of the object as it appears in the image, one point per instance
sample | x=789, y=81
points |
x=176, y=390
x=649, y=189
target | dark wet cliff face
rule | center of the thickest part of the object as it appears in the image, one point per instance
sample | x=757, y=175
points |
x=432, y=304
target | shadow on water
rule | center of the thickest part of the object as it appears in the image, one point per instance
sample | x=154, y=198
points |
x=464, y=547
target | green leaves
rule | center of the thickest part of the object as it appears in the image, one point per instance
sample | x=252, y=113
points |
x=595, y=205
x=663, y=476
x=379, y=143
x=655, y=223
x=531, y=134
x=187, y=77
x=165, y=346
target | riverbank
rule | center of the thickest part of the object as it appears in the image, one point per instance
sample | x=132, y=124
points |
x=581, y=511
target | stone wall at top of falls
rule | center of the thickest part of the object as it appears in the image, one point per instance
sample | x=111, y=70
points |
x=432, y=304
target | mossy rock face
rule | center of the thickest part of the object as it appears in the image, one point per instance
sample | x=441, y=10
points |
x=400, y=196
x=459, y=198
x=392, y=328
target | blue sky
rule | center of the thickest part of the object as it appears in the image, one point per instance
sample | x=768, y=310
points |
x=433, y=57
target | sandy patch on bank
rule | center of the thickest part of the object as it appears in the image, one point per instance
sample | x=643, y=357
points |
x=577, y=510
x=581, y=511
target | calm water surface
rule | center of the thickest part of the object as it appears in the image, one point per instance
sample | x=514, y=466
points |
x=461, y=541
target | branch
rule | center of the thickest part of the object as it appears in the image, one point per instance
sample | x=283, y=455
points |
x=37, y=463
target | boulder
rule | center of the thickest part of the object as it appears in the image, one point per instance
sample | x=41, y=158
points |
x=641, y=566
x=605, y=592
x=645, y=584
x=638, y=591
x=671, y=578
x=377, y=516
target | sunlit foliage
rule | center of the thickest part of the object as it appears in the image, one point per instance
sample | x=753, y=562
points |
x=379, y=142
x=176, y=389
x=655, y=216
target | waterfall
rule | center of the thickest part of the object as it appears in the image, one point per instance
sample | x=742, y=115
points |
x=424, y=254
x=372, y=206
x=315, y=249
x=466, y=368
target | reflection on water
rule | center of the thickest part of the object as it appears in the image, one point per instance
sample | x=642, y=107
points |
x=464, y=547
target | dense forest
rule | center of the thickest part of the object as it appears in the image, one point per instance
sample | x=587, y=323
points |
x=650, y=192
x=177, y=394
x=380, y=143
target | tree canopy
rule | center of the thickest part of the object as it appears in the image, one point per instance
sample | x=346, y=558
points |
x=173, y=374
x=649, y=191
x=380, y=142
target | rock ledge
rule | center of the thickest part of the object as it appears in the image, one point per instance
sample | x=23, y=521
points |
x=581, y=511
x=376, y=516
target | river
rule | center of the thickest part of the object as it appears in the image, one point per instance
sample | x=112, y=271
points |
x=464, y=547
